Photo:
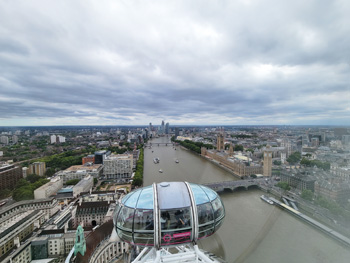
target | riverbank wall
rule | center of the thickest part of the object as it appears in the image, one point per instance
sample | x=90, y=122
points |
x=312, y=212
x=323, y=228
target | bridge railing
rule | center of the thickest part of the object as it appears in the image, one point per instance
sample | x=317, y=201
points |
x=235, y=182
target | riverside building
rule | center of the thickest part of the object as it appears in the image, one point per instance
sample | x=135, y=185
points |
x=118, y=167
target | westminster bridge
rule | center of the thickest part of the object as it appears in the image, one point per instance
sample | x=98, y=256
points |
x=237, y=184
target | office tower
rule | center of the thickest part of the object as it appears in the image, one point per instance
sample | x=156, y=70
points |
x=167, y=128
x=177, y=131
x=162, y=128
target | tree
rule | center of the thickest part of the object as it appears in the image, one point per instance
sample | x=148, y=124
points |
x=239, y=148
x=323, y=165
x=307, y=194
x=250, y=150
x=276, y=162
x=283, y=185
x=138, y=178
x=294, y=158
x=21, y=182
x=72, y=182
x=5, y=193
x=32, y=178
x=50, y=172
x=305, y=162
x=330, y=205
x=25, y=190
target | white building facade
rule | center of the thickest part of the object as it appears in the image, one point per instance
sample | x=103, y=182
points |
x=84, y=185
x=118, y=167
x=49, y=188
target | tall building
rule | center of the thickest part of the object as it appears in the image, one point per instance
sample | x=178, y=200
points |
x=177, y=131
x=9, y=176
x=267, y=169
x=4, y=140
x=162, y=129
x=220, y=143
x=14, y=139
x=38, y=168
x=287, y=144
x=167, y=128
x=230, y=150
x=53, y=139
x=61, y=139
x=57, y=139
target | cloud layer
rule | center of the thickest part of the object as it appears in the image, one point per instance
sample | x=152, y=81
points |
x=188, y=62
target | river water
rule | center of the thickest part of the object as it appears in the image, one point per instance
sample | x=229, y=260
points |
x=253, y=231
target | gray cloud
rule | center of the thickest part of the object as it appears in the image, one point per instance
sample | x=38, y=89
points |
x=222, y=62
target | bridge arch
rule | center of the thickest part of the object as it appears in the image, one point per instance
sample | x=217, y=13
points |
x=253, y=186
x=240, y=188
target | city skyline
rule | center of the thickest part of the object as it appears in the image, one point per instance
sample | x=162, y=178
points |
x=225, y=63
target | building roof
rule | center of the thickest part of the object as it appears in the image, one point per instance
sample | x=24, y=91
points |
x=67, y=189
x=94, y=239
x=85, y=181
x=51, y=232
x=76, y=168
x=94, y=204
x=118, y=156
x=39, y=240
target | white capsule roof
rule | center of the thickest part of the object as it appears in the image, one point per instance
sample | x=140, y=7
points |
x=168, y=213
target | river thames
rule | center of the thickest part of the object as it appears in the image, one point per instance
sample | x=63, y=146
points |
x=253, y=231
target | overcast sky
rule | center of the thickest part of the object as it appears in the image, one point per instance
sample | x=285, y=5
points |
x=185, y=62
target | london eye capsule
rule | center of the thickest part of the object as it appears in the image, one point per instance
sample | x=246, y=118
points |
x=167, y=214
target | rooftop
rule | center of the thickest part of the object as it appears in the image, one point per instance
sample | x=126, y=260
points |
x=75, y=168
x=119, y=156
x=3, y=227
x=94, y=239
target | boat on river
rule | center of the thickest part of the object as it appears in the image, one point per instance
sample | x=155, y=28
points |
x=266, y=199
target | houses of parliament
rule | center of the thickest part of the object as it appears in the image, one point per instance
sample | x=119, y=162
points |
x=241, y=167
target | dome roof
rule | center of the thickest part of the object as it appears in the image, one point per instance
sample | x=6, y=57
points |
x=168, y=213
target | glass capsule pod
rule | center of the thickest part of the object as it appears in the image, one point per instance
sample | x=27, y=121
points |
x=168, y=213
